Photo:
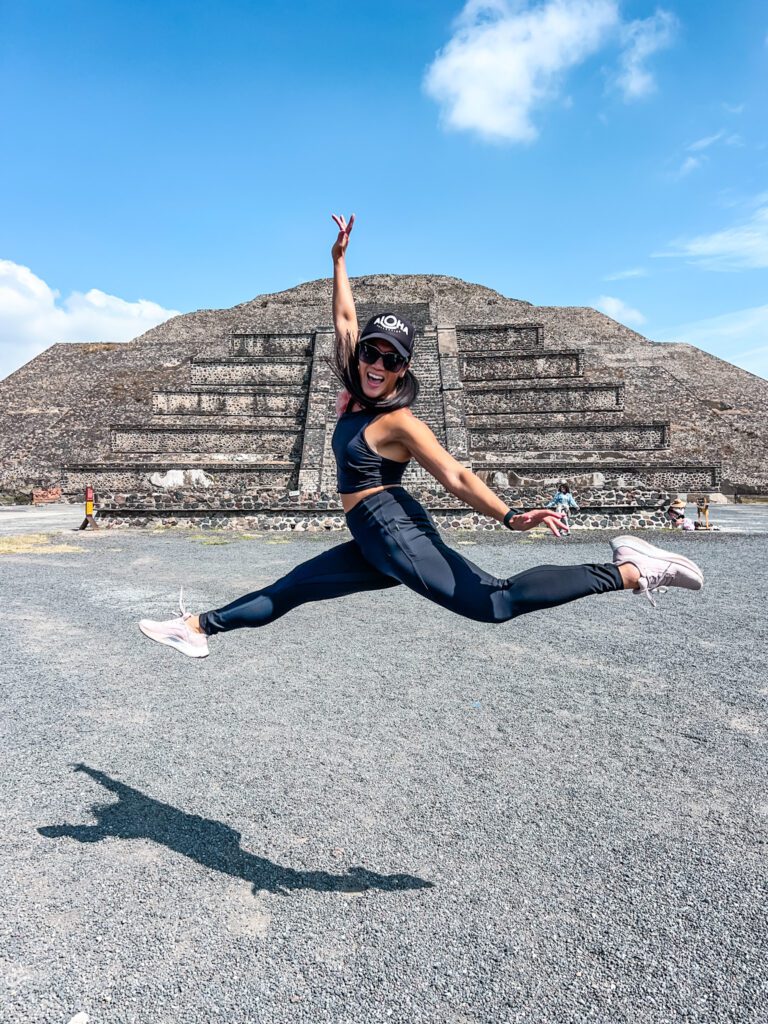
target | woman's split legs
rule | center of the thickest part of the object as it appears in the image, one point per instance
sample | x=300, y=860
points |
x=421, y=560
x=415, y=555
x=339, y=572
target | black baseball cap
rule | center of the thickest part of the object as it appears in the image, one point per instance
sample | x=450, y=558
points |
x=393, y=328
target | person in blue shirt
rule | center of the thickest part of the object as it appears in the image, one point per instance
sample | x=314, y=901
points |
x=562, y=502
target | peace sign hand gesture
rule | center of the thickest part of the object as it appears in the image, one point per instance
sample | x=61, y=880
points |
x=341, y=243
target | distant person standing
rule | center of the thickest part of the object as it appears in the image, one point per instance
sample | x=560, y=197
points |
x=562, y=502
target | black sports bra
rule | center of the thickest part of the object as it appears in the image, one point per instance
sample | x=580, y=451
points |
x=358, y=467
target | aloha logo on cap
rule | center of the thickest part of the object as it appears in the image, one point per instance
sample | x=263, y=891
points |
x=390, y=323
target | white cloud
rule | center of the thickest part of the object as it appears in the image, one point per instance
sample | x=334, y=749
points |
x=740, y=247
x=619, y=310
x=506, y=58
x=732, y=139
x=692, y=163
x=33, y=316
x=642, y=39
x=706, y=142
x=622, y=275
x=740, y=337
x=689, y=164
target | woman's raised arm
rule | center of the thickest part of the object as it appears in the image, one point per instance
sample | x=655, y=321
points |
x=344, y=314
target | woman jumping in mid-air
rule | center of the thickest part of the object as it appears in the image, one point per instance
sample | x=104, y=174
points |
x=394, y=539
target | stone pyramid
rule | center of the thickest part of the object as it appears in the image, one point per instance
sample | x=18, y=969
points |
x=224, y=415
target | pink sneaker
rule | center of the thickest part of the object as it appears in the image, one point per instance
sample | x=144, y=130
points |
x=176, y=633
x=658, y=569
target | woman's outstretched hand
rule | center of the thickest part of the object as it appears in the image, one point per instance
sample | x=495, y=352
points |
x=341, y=243
x=554, y=521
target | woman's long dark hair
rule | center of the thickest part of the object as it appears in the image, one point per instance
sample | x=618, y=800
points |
x=347, y=369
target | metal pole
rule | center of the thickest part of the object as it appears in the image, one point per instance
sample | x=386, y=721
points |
x=89, y=518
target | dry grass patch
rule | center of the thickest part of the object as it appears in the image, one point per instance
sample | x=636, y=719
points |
x=34, y=544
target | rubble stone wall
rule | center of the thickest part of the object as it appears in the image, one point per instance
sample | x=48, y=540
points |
x=298, y=521
x=600, y=508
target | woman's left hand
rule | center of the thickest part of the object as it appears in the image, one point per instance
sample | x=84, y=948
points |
x=345, y=229
x=540, y=517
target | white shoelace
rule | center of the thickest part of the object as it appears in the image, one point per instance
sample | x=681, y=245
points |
x=191, y=633
x=653, y=584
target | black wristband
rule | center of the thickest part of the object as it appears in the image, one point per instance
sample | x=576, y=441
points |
x=508, y=517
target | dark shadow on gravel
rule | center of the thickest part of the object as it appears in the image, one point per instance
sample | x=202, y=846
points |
x=210, y=843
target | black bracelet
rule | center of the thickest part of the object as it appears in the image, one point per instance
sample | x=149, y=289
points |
x=507, y=518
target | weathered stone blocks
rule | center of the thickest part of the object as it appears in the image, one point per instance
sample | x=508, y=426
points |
x=46, y=495
x=600, y=507
x=301, y=522
x=57, y=410
x=519, y=366
x=419, y=313
x=483, y=400
x=499, y=337
x=276, y=444
x=212, y=401
x=226, y=473
x=567, y=438
x=271, y=344
x=245, y=371
x=646, y=475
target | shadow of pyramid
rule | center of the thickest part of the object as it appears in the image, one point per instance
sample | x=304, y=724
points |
x=211, y=843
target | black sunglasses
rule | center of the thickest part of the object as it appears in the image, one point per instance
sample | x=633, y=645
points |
x=392, y=361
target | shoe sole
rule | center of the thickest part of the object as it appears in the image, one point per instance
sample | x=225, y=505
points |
x=644, y=548
x=178, y=645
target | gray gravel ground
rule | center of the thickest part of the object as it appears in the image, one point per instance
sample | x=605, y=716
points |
x=372, y=810
x=46, y=518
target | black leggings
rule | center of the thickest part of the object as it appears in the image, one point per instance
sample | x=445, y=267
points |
x=396, y=541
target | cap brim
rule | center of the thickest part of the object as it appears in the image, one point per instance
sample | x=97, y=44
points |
x=392, y=340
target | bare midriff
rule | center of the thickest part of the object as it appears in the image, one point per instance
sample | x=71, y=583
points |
x=348, y=501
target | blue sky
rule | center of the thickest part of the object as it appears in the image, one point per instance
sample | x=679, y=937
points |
x=168, y=156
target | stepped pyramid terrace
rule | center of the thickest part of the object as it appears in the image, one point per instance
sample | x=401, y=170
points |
x=224, y=417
